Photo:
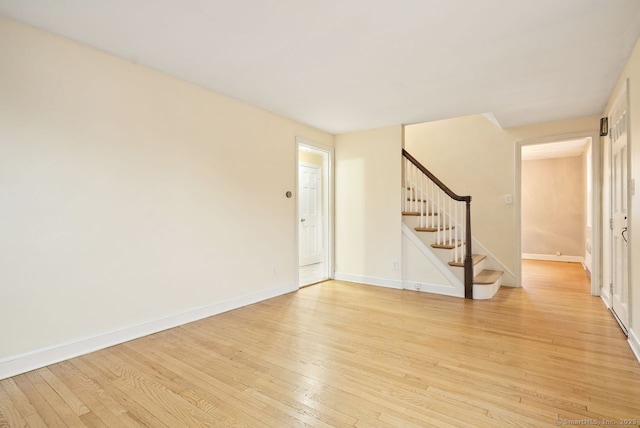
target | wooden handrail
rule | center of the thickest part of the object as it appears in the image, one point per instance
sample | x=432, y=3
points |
x=468, y=258
x=435, y=179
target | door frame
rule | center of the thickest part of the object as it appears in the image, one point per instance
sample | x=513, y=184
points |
x=607, y=296
x=596, y=201
x=329, y=222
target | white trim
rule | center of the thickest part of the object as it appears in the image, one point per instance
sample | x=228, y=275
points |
x=329, y=181
x=445, y=290
x=18, y=364
x=435, y=261
x=634, y=343
x=369, y=280
x=553, y=258
x=596, y=174
x=608, y=261
x=605, y=297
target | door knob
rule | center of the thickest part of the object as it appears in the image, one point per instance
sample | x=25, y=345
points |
x=303, y=220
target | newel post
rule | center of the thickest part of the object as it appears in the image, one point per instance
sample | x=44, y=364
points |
x=468, y=258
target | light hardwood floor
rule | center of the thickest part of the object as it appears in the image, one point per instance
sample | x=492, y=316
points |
x=340, y=354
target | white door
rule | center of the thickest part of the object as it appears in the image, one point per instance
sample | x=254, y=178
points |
x=619, y=212
x=310, y=226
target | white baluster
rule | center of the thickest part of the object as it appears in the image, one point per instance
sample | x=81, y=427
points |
x=455, y=232
x=404, y=184
x=461, y=229
x=431, y=203
x=462, y=226
x=409, y=187
x=421, y=203
x=413, y=188
x=449, y=219
x=438, y=237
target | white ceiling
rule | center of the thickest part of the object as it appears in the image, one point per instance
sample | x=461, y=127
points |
x=561, y=149
x=344, y=65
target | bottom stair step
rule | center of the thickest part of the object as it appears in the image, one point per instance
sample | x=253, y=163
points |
x=487, y=276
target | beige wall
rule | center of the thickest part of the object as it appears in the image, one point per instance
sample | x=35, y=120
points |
x=553, y=206
x=309, y=157
x=632, y=72
x=554, y=129
x=128, y=196
x=368, y=218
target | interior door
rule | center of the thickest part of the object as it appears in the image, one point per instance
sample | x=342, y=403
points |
x=619, y=212
x=310, y=226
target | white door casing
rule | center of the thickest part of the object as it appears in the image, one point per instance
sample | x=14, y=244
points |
x=618, y=121
x=310, y=227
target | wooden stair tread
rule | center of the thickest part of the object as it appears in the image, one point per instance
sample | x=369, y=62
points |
x=477, y=258
x=432, y=229
x=446, y=245
x=416, y=213
x=487, y=276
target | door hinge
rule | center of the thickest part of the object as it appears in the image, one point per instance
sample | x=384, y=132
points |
x=611, y=223
x=611, y=288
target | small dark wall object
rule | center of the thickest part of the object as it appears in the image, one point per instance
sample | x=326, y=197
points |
x=604, y=126
x=288, y=194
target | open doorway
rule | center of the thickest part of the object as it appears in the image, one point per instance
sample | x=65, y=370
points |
x=556, y=203
x=314, y=213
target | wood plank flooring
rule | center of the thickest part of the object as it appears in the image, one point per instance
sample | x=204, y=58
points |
x=339, y=354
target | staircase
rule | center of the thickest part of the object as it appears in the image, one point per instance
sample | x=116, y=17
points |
x=438, y=222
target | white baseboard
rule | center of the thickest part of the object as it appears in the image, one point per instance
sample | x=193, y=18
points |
x=369, y=280
x=604, y=296
x=553, y=258
x=634, y=343
x=18, y=364
x=445, y=290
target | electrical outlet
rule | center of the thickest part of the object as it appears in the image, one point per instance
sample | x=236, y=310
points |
x=418, y=287
x=396, y=265
x=274, y=270
x=508, y=199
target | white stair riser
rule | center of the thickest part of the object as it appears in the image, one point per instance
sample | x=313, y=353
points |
x=486, y=291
